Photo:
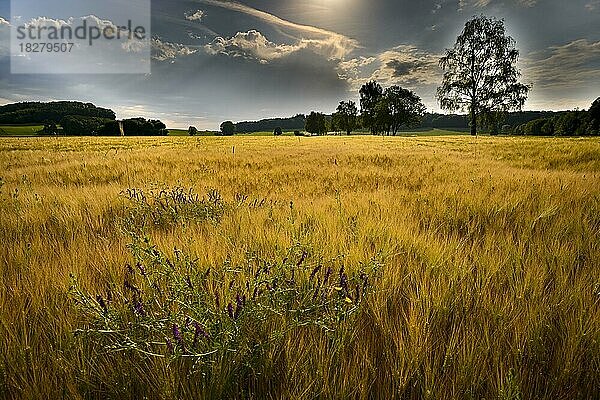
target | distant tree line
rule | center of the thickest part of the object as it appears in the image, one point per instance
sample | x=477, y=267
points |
x=382, y=112
x=54, y=112
x=569, y=123
x=508, y=124
x=74, y=125
x=77, y=125
x=193, y=131
x=541, y=123
x=269, y=125
x=78, y=119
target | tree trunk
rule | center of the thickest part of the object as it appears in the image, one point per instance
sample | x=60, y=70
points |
x=473, y=122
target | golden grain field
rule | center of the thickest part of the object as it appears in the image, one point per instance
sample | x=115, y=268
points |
x=489, y=284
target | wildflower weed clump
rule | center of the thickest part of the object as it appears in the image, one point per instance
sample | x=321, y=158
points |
x=166, y=207
x=173, y=307
x=170, y=306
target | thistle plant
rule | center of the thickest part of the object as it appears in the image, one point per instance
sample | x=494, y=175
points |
x=166, y=207
x=171, y=307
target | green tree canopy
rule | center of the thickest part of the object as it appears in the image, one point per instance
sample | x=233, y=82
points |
x=571, y=123
x=346, y=117
x=492, y=121
x=143, y=127
x=370, y=95
x=398, y=108
x=594, y=116
x=77, y=125
x=316, y=123
x=228, y=128
x=480, y=73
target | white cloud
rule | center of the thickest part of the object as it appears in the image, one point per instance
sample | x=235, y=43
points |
x=134, y=46
x=167, y=51
x=593, y=5
x=402, y=65
x=254, y=45
x=117, y=50
x=173, y=119
x=195, y=15
x=485, y=3
x=557, y=102
x=334, y=45
x=250, y=45
x=91, y=20
x=4, y=37
x=352, y=70
x=126, y=44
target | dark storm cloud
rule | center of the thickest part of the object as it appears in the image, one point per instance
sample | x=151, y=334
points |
x=564, y=76
x=563, y=66
x=216, y=59
x=403, y=68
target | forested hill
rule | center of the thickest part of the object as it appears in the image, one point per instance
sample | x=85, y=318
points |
x=454, y=121
x=40, y=113
x=287, y=124
x=430, y=120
